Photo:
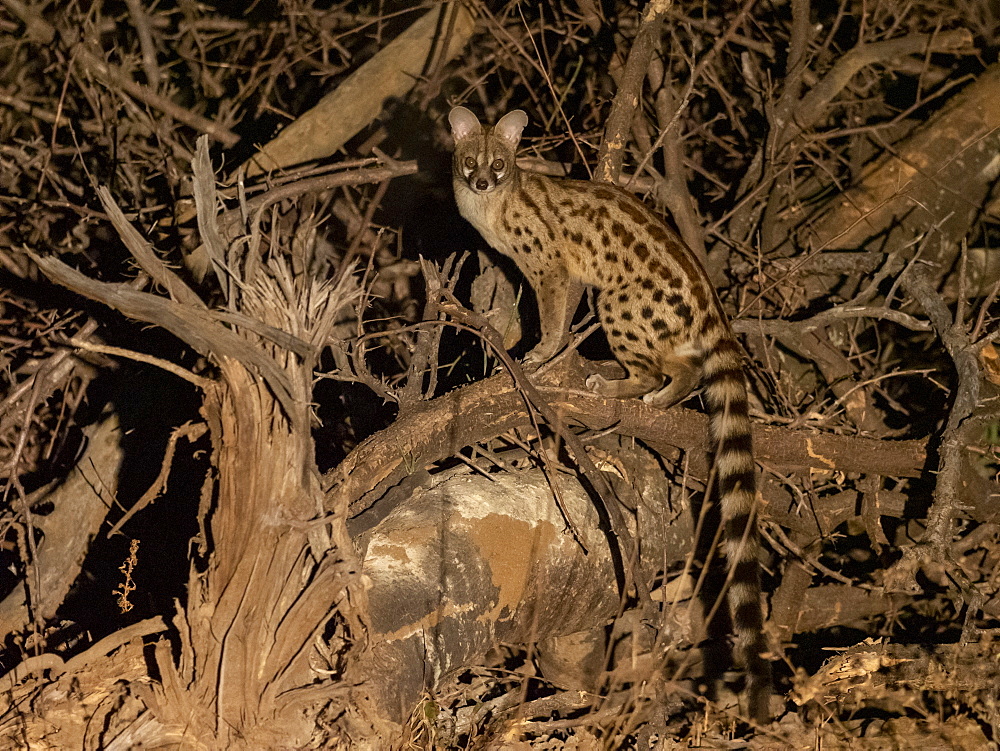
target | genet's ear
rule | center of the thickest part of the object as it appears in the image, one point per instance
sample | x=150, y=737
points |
x=463, y=123
x=509, y=127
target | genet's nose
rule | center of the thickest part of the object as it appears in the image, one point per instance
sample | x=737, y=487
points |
x=482, y=183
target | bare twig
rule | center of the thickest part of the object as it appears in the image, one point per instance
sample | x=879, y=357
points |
x=619, y=123
x=625, y=543
x=181, y=373
x=947, y=499
x=192, y=433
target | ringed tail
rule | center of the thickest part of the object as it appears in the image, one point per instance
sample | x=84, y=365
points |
x=734, y=488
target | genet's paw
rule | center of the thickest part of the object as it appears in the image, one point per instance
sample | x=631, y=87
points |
x=536, y=358
x=531, y=363
x=598, y=384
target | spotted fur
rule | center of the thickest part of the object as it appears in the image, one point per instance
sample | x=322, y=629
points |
x=658, y=309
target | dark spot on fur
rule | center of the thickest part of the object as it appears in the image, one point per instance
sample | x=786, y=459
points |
x=658, y=233
x=634, y=210
x=684, y=313
x=737, y=525
x=708, y=324
x=735, y=444
x=728, y=346
x=646, y=312
x=624, y=236
x=748, y=616
x=643, y=362
x=700, y=298
x=528, y=201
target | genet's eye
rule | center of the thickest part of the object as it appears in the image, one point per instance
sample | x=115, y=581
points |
x=497, y=165
x=470, y=162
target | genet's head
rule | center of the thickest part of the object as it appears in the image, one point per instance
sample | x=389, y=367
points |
x=484, y=157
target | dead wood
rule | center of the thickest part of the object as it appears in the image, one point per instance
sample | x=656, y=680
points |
x=625, y=550
x=503, y=569
x=94, y=65
x=186, y=322
x=937, y=181
x=436, y=37
x=85, y=700
x=230, y=690
x=199, y=260
x=822, y=154
x=492, y=407
x=80, y=504
x=612, y=154
x=874, y=672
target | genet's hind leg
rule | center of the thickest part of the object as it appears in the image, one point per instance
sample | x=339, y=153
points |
x=647, y=356
x=625, y=338
x=684, y=372
x=637, y=383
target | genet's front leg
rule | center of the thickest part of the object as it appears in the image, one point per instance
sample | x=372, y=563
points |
x=558, y=297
